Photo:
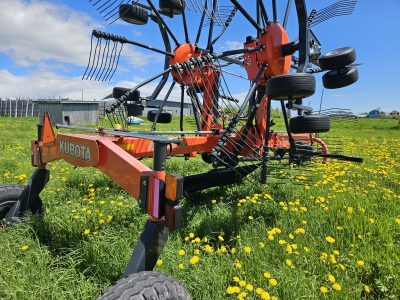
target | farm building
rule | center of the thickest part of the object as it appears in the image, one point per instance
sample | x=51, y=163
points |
x=374, y=114
x=394, y=113
x=173, y=107
x=70, y=112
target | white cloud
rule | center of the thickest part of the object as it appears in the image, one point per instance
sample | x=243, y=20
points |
x=47, y=84
x=36, y=32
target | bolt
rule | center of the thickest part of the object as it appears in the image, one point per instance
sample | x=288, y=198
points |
x=144, y=183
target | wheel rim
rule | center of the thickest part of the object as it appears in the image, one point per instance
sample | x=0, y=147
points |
x=5, y=208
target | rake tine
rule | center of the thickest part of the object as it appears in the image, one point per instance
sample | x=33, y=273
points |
x=90, y=55
x=111, y=61
x=96, y=2
x=98, y=59
x=107, y=6
x=102, y=60
x=94, y=59
x=101, y=66
x=116, y=66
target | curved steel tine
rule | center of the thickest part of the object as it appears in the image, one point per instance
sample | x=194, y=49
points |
x=111, y=59
x=94, y=59
x=116, y=66
x=289, y=3
x=102, y=59
x=107, y=56
x=90, y=56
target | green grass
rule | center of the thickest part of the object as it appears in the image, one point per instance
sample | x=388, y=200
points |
x=280, y=231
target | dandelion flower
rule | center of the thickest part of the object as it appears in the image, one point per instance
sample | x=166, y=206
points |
x=271, y=237
x=323, y=289
x=230, y=290
x=291, y=236
x=331, y=278
x=249, y=287
x=181, y=252
x=87, y=231
x=267, y=275
x=289, y=262
x=398, y=221
x=367, y=289
x=300, y=231
x=25, y=247
x=233, y=250
x=242, y=283
x=159, y=262
x=360, y=262
x=247, y=249
x=213, y=201
x=330, y=239
x=282, y=242
x=261, y=244
x=180, y=266
x=336, y=287
x=273, y=282
x=259, y=291
x=191, y=235
x=221, y=238
x=372, y=221
x=238, y=265
x=265, y=296
x=194, y=259
x=236, y=279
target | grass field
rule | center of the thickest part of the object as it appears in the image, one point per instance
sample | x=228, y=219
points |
x=335, y=237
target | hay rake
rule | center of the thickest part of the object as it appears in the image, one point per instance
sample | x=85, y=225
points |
x=234, y=135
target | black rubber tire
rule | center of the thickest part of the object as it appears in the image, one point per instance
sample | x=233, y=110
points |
x=164, y=117
x=297, y=85
x=146, y=285
x=9, y=194
x=337, y=59
x=171, y=6
x=337, y=79
x=118, y=92
x=133, y=14
x=310, y=124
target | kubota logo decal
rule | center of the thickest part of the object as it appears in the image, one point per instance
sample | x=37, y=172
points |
x=75, y=150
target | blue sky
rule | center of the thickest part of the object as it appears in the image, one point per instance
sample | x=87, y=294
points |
x=45, y=45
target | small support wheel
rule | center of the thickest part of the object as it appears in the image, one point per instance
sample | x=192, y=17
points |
x=171, y=6
x=310, y=124
x=337, y=59
x=146, y=285
x=9, y=195
x=337, y=79
x=133, y=14
x=164, y=116
x=295, y=85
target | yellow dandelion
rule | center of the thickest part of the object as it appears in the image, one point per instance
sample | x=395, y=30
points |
x=271, y=237
x=360, y=262
x=267, y=275
x=180, y=266
x=251, y=218
x=289, y=262
x=282, y=242
x=249, y=287
x=300, y=231
x=238, y=265
x=323, y=289
x=233, y=250
x=331, y=278
x=87, y=231
x=336, y=287
x=261, y=244
x=213, y=201
x=159, y=262
x=221, y=238
x=291, y=236
x=259, y=291
x=181, y=252
x=230, y=290
x=330, y=239
x=25, y=247
x=191, y=235
x=242, y=283
x=265, y=296
x=273, y=282
x=247, y=249
x=194, y=259
x=236, y=279
x=367, y=289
